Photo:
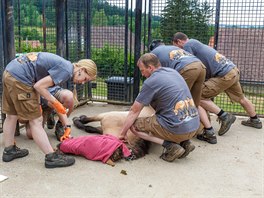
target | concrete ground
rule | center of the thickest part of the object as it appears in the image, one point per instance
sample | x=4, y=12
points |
x=232, y=168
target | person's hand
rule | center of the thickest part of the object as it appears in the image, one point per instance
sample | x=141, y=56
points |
x=123, y=138
x=58, y=107
x=66, y=135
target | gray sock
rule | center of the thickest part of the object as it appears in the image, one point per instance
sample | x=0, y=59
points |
x=222, y=117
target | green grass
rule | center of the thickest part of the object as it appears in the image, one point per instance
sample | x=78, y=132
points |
x=101, y=88
x=224, y=102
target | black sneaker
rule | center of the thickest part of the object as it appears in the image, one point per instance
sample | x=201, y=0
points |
x=208, y=136
x=58, y=159
x=13, y=152
x=50, y=121
x=256, y=123
x=188, y=146
x=59, y=130
x=173, y=151
x=226, y=122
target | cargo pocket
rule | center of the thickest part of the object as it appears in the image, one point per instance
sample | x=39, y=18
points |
x=28, y=102
x=230, y=75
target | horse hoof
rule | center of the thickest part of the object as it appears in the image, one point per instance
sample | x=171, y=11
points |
x=84, y=119
x=75, y=119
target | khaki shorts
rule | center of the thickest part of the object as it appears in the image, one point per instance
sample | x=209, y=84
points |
x=194, y=75
x=151, y=126
x=229, y=84
x=19, y=99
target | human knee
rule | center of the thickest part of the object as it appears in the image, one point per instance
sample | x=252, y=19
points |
x=203, y=102
x=66, y=98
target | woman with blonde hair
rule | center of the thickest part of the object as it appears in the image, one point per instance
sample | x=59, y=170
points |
x=25, y=79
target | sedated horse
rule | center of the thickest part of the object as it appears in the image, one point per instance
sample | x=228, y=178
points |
x=111, y=123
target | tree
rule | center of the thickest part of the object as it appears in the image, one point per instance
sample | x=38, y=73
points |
x=188, y=16
x=99, y=18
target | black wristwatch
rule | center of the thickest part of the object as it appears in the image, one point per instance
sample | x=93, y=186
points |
x=67, y=126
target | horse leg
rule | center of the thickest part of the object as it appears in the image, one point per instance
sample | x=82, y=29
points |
x=84, y=119
x=78, y=123
x=91, y=129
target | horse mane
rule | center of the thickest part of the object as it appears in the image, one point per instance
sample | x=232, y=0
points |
x=139, y=149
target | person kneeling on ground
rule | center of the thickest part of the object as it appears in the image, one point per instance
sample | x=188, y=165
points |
x=176, y=119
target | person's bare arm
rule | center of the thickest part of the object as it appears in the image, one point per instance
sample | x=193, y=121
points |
x=42, y=88
x=131, y=117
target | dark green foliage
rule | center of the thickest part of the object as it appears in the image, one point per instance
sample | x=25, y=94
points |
x=24, y=48
x=189, y=16
x=30, y=34
x=110, y=60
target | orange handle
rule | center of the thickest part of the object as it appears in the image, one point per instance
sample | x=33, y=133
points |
x=40, y=108
x=66, y=134
x=58, y=107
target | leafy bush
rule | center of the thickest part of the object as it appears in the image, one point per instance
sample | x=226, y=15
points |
x=30, y=34
x=110, y=61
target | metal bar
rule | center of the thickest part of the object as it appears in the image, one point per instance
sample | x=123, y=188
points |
x=9, y=49
x=137, y=51
x=19, y=26
x=9, y=31
x=79, y=35
x=68, y=84
x=126, y=53
x=150, y=22
x=217, y=19
x=44, y=27
x=60, y=10
x=88, y=40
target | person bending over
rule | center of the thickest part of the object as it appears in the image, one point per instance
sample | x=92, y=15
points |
x=25, y=79
x=222, y=75
x=176, y=118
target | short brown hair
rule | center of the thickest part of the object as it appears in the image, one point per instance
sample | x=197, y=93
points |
x=149, y=59
x=179, y=36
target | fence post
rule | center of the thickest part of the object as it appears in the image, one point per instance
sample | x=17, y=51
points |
x=88, y=25
x=2, y=61
x=149, y=22
x=60, y=10
x=8, y=37
x=217, y=18
x=9, y=49
x=137, y=49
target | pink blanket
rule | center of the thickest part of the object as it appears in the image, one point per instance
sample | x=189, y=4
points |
x=94, y=147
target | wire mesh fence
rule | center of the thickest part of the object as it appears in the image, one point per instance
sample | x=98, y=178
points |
x=234, y=28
